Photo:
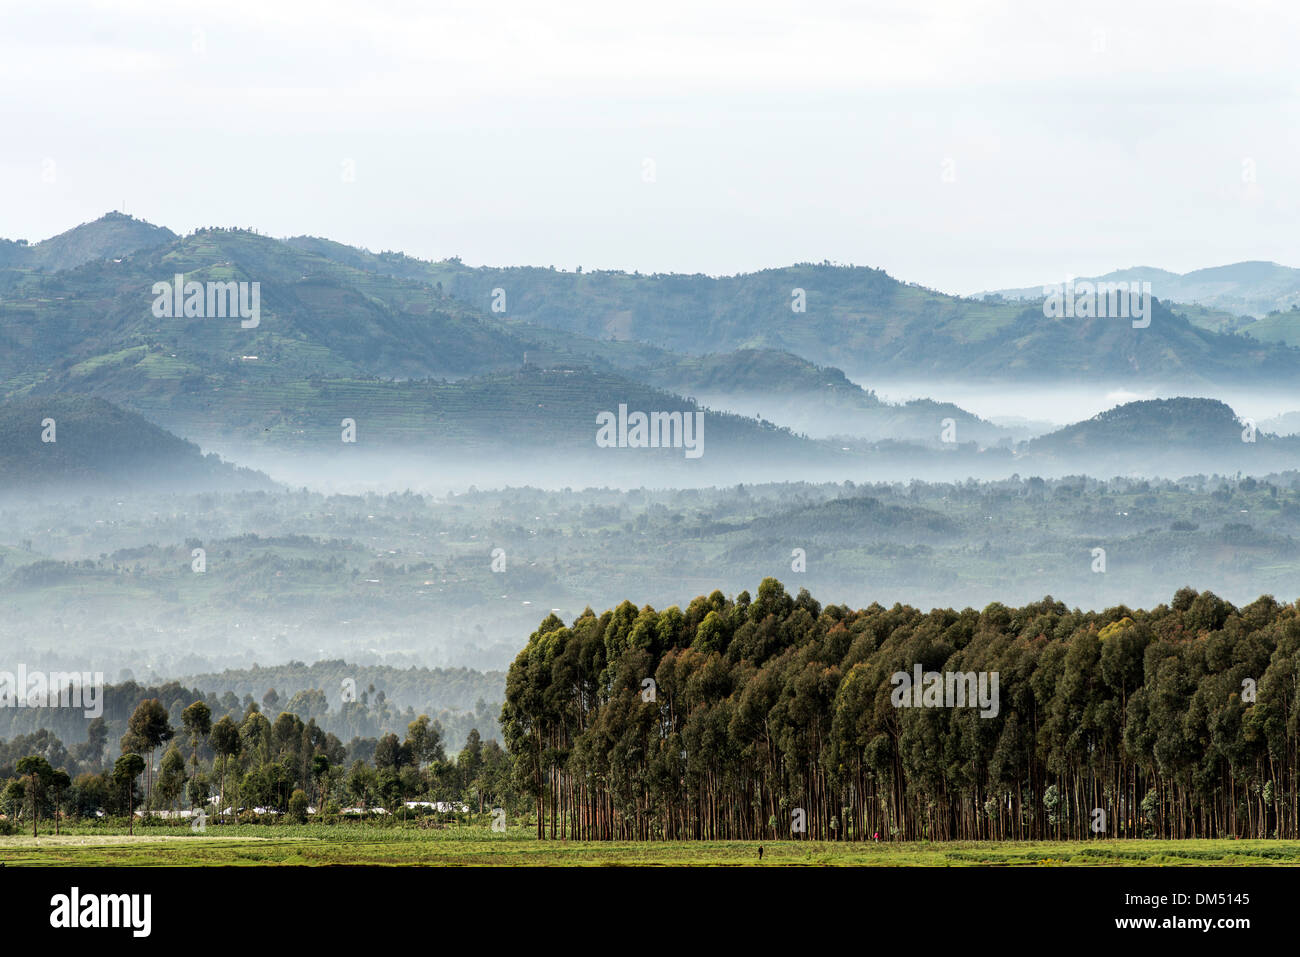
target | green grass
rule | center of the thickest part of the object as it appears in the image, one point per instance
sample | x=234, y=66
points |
x=121, y=357
x=312, y=844
x=1281, y=327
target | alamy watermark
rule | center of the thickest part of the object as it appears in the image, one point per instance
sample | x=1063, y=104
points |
x=179, y=299
x=654, y=430
x=1099, y=300
x=56, y=689
x=951, y=689
x=77, y=910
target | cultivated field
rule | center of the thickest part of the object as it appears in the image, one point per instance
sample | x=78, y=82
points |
x=354, y=844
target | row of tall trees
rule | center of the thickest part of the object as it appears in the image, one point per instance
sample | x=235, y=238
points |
x=763, y=717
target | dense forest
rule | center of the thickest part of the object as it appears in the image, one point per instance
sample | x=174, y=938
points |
x=1178, y=722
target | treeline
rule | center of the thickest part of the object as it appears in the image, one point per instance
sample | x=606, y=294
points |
x=726, y=720
x=460, y=689
x=249, y=769
x=371, y=713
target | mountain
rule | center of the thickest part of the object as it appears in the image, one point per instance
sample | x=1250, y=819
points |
x=415, y=370
x=520, y=409
x=752, y=371
x=410, y=367
x=1150, y=422
x=1241, y=289
x=388, y=349
x=112, y=236
x=1179, y=436
x=416, y=355
x=819, y=401
x=315, y=318
x=61, y=441
x=1288, y=423
x=857, y=319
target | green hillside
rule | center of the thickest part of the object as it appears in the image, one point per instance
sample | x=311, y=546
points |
x=1180, y=436
x=817, y=400
x=410, y=365
x=1185, y=422
x=113, y=235
x=754, y=370
x=1243, y=289
x=416, y=353
x=58, y=440
x=1280, y=326
x=856, y=318
x=316, y=318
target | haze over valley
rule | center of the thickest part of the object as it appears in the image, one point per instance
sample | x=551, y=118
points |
x=573, y=435
x=400, y=463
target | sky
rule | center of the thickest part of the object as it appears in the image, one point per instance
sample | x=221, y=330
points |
x=962, y=145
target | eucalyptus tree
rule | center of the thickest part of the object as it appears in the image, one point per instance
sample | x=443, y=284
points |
x=36, y=769
x=776, y=716
x=226, y=744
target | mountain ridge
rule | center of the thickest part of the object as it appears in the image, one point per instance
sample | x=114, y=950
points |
x=1251, y=288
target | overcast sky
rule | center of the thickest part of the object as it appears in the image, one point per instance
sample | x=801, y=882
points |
x=963, y=145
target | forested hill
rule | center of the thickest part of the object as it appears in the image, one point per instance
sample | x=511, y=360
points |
x=812, y=399
x=55, y=441
x=372, y=324
x=112, y=236
x=408, y=364
x=330, y=309
x=856, y=318
x=531, y=407
x=719, y=720
x=1159, y=424
x=1241, y=289
x=754, y=370
x=1150, y=422
x=315, y=317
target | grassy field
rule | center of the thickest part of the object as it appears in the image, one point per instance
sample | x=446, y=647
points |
x=467, y=846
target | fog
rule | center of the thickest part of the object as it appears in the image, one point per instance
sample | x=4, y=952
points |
x=460, y=577
x=445, y=553
x=1057, y=405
